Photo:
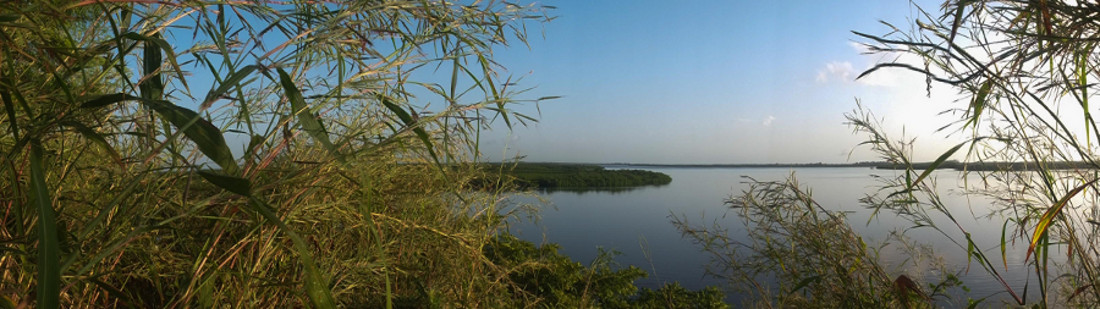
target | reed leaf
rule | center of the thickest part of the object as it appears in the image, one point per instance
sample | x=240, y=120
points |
x=977, y=105
x=229, y=183
x=96, y=138
x=228, y=84
x=204, y=134
x=49, y=253
x=411, y=123
x=310, y=122
x=931, y=168
x=1048, y=217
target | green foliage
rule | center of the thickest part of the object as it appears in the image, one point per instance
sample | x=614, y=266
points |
x=797, y=254
x=555, y=281
x=1026, y=72
x=298, y=178
x=308, y=175
x=674, y=296
x=577, y=176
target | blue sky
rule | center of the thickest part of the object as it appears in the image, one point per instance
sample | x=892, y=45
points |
x=711, y=82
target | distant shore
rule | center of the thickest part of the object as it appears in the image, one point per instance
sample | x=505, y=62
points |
x=960, y=166
x=575, y=176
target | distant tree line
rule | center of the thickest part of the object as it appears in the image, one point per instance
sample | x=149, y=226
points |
x=557, y=175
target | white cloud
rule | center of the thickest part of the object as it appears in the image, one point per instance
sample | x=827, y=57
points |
x=768, y=120
x=842, y=70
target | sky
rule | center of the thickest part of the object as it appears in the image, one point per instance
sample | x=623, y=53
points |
x=713, y=82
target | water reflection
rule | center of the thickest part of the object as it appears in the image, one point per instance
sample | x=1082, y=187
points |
x=636, y=223
x=600, y=190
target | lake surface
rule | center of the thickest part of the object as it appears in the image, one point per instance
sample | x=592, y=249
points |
x=637, y=223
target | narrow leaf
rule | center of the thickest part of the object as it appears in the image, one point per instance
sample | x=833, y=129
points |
x=928, y=171
x=106, y=99
x=310, y=122
x=152, y=87
x=95, y=138
x=969, y=251
x=228, y=84
x=410, y=122
x=1048, y=217
x=229, y=183
x=206, y=136
x=978, y=103
x=956, y=23
x=49, y=253
x=9, y=107
x=155, y=41
x=1004, y=257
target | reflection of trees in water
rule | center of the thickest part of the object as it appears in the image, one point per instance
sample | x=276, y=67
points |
x=609, y=190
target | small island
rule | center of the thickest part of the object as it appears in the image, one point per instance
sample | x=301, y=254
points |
x=576, y=176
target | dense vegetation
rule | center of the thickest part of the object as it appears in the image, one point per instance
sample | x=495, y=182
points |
x=568, y=284
x=577, y=176
x=265, y=155
x=1026, y=73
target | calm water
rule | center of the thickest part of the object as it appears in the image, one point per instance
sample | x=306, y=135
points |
x=637, y=223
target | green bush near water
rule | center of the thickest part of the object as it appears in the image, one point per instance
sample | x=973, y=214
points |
x=560, y=282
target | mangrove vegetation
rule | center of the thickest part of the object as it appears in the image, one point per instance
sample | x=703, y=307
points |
x=575, y=176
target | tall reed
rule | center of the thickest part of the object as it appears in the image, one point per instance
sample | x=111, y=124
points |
x=250, y=153
x=1025, y=72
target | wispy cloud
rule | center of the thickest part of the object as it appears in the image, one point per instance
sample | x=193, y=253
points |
x=840, y=70
x=768, y=121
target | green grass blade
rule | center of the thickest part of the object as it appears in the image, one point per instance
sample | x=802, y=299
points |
x=49, y=253
x=1004, y=257
x=978, y=103
x=969, y=251
x=95, y=138
x=956, y=23
x=310, y=122
x=928, y=171
x=206, y=136
x=9, y=107
x=229, y=183
x=152, y=86
x=106, y=99
x=155, y=41
x=1048, y=217
x=411, y=123
x=228, y=84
